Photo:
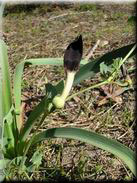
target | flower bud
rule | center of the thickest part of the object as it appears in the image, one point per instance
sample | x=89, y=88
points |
x=72, y=57
x=59, y=102
x=73, y=54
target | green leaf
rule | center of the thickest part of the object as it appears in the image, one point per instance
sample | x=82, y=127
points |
x=14, y=162
x=132, y=19
x=6, y=96
x=2, y=166
x=34, y=115
x=50, y=91
x=59, y=87
x=104, y=68
x=93, y=67
x=1, y=115
x=41, y=108
x=49, y=61
x=44, y=61
x=117, y=62
x=36, y=158
x=17, y=85
x=110, y=145
x=6, y=85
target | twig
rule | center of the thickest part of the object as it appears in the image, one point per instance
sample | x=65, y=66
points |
x=123, y=71
x=123, y=135
x=124, y=167
x=65, y=14
x=109, y=109
x=92, y=50
x=52, y=18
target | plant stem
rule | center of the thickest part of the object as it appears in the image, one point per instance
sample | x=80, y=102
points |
x=126, y=57
x=86, y=89
x=68, y=84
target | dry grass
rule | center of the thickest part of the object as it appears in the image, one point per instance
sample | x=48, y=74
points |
x=45, y=31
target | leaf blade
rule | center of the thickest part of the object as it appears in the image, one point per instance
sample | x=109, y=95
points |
x=6, y=80
x=41, y=108
x=110, y=145
x=93, y=67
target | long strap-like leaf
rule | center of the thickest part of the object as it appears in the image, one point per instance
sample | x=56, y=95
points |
x=112, y=146
x=6, y=88
x=6, y=96
x=93, y=67
x=41, y=108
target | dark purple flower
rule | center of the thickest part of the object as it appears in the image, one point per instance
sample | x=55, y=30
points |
x=73, y=54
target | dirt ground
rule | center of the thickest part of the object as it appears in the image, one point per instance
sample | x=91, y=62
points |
x=44, y=31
